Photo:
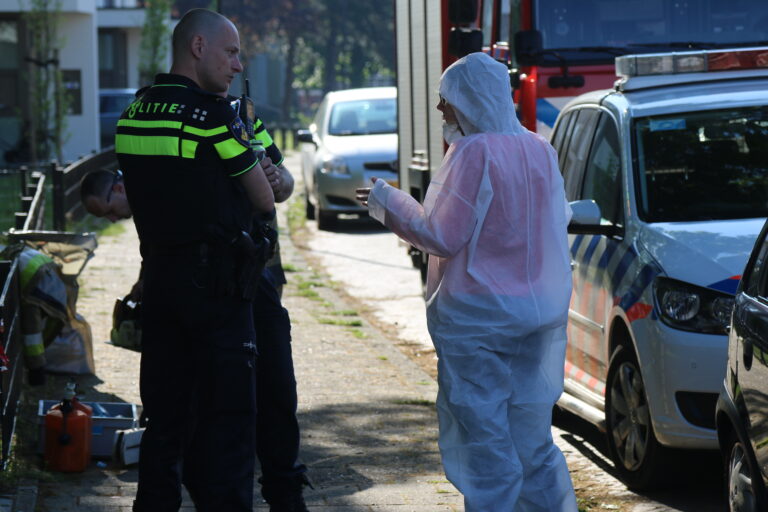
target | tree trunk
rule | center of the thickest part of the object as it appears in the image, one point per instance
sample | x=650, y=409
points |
x=290, y=57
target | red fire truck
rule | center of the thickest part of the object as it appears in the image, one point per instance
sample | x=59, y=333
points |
x=555, y=49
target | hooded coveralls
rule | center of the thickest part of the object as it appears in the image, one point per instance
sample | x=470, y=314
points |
x=498, y=286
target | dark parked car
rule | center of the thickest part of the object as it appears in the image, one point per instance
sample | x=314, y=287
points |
x=112, y=102
x=742, y=408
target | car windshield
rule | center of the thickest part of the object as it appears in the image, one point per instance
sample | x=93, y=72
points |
x=363, y=117
x=703, y=166
x=628, y=24
x=115, y=103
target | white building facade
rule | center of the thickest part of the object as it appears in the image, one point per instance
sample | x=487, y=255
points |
x=101, y=40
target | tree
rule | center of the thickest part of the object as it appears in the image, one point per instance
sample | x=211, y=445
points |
x=154, y=40
x=46, y=122
x=326, y=44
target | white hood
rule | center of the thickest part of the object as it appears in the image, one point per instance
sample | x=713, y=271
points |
x=712, y=254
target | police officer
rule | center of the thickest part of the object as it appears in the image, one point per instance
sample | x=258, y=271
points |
x=191, y=187
x=278, y=436
x=283, y=476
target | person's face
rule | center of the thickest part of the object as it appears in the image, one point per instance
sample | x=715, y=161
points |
x=113, y=205
x=449, y=115
x=219, y=59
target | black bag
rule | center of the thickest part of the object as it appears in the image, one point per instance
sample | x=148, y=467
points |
x=126, y=324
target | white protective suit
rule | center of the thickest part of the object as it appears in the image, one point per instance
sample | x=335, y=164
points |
x=498, y=286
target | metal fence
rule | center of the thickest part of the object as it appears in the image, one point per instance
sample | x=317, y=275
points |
x=67, y=208
x=31, y=216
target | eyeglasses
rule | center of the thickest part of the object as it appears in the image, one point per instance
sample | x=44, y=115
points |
x=117, y=178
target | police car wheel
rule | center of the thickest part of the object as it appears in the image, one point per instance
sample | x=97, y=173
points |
x=310, y=208
x=640, y=460
x=743, y=481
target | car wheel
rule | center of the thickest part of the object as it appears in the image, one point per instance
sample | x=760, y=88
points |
x=325, y=220
x=309, y=207
x=640, y=460
x=745, y=489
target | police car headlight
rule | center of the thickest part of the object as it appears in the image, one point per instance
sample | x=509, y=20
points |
x=692, y=308
x=334, y=165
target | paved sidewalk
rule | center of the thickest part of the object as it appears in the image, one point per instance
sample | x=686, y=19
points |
x=367, y=412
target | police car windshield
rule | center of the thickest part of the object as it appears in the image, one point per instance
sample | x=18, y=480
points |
x=363, y=117
x=630, y=23
x=702, y=166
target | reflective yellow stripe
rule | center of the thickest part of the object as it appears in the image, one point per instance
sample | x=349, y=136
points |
x=30, y=269
x=135, y=123
x=34, y=350
x=244, y=170
x=229, y=148
x=147, y=145
x=205, y=133
x=188, y=148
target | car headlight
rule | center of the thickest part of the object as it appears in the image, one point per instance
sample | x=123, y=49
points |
x=334, y=165
x=692, y=308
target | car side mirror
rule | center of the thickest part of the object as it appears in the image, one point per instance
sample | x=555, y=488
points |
x=461, y=12
x=528, y=47
x=587, y=220
x=305, y=136
x=585, y=211
x=463, y=41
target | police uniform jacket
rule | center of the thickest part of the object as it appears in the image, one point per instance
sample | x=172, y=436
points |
x=180, y=149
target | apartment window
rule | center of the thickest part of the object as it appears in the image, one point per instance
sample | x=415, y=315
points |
x=112, y=59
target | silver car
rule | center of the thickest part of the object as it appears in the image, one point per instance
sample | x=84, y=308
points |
x=352, y=138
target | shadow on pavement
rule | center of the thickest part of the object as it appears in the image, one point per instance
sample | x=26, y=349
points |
x=351, y=446
x=695, y=476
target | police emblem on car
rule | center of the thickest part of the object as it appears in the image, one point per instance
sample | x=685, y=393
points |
x=240, y=132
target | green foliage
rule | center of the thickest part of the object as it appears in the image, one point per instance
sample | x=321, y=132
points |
x=326, y=44
x=46, y=126
x=154, y=40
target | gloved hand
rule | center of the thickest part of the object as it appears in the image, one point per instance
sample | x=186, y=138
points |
x=252, y=255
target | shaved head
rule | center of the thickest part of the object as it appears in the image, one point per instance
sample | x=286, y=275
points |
x=196, y=22
x=206, y=49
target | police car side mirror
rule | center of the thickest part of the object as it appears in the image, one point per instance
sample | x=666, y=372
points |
x=587, y=220
x=585, y=211
x=304, y=136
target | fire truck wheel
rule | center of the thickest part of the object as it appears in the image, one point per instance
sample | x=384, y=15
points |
x=640, y=461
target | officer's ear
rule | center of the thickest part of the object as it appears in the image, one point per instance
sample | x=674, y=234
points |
x=197, y=45
x=118, y=187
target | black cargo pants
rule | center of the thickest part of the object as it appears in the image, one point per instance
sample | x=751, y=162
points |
x=198, y=385
x=278, y=429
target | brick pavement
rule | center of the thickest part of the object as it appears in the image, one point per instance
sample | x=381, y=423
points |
x=367, y=412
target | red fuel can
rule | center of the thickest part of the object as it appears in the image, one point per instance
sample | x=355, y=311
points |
x=68, y=431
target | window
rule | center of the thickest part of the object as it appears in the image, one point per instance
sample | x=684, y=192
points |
x=363, y=117
x=755, y=284
x=113, y=68
x=602, y=178
x=559, y=136
x=10, y=86
x=578, y=138
x=708, y=165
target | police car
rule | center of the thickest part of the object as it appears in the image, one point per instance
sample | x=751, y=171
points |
x=668, y=178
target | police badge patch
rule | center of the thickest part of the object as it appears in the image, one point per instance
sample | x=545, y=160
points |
x=239, y=132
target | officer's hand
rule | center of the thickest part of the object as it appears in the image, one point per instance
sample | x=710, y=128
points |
x=137, y=291
x=272, y=173
x=362, y=194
